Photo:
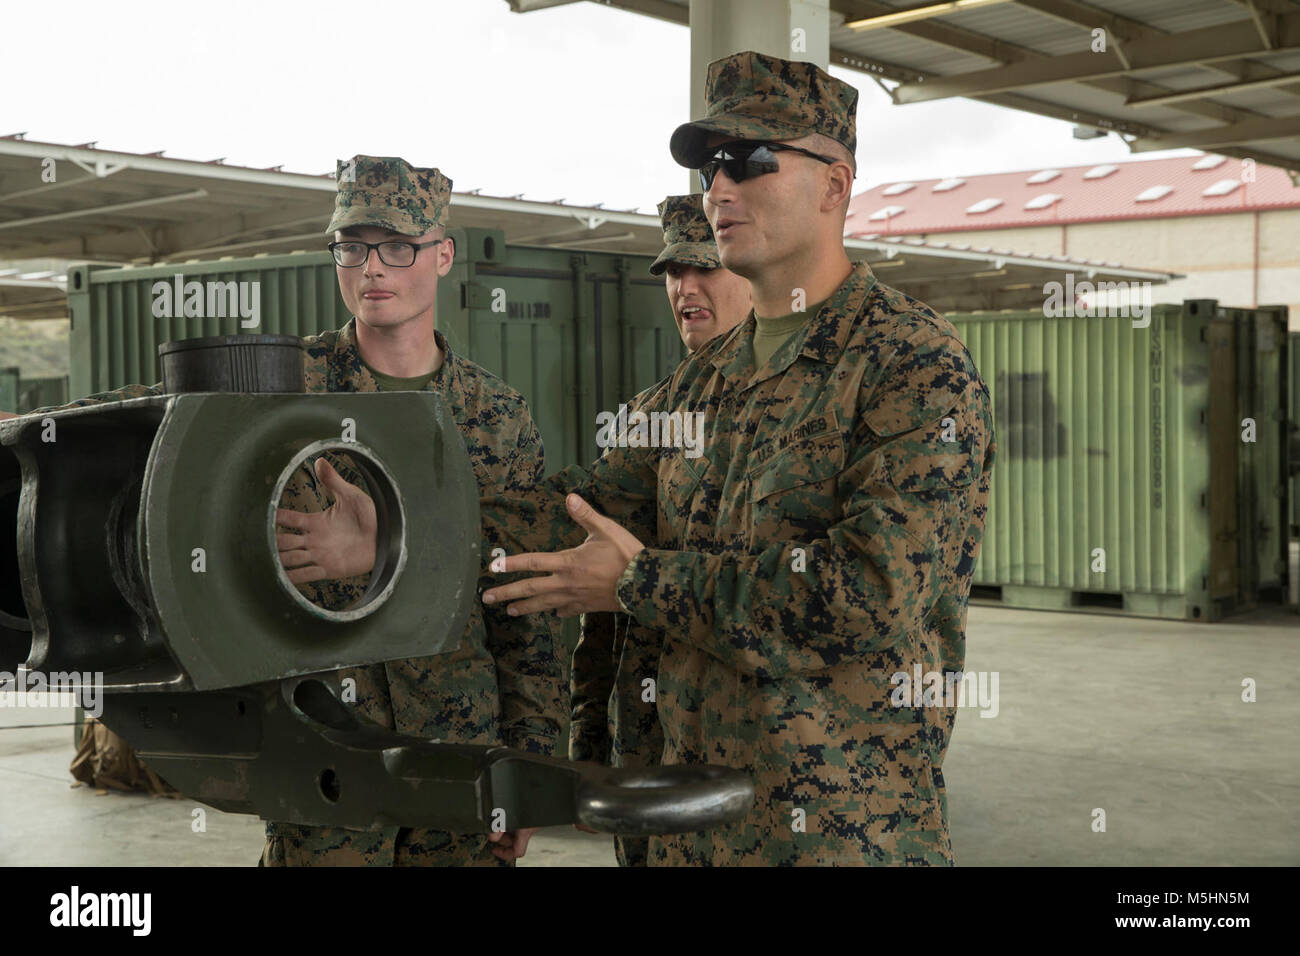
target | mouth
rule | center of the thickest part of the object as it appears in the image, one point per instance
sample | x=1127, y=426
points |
x=726, y=227
x=376, y=295
x=695, y=314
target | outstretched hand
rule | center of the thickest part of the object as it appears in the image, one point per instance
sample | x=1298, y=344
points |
x=582, y=579
x=338, y=542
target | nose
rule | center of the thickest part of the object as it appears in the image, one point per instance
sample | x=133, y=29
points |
x=377, y=268
x=721, y=190
x=720, y=195
x=688, y=284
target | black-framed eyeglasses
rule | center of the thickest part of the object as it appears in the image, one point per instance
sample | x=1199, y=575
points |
x=351, y=253
x=745, y=158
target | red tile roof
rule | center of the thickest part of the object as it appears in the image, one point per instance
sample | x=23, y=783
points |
x=1070, y=197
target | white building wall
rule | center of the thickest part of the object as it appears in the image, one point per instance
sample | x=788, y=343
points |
x=1216, y=253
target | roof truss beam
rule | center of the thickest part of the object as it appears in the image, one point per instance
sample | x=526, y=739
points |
x=109, y=209
x=1260, y=129
x=1195, y=47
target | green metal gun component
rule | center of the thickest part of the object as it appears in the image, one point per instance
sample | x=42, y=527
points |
x=292, y=751
x=146, y=551
x=149, y=528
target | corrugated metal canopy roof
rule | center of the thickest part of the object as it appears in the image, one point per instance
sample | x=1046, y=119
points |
x=1234, y=65
x=131, y=208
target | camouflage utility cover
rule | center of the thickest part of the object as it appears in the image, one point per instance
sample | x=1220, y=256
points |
x=389, y=192
x=688, y=237
x=754, y=96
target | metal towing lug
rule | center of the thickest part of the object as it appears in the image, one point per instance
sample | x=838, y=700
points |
x=292, y=751
x=146, y=565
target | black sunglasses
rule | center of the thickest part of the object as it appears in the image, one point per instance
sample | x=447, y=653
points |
x=744, y=158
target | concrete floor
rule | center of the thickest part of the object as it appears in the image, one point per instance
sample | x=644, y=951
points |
x=1140, y=718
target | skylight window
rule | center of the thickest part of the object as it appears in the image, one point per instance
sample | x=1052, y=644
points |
x=886, y=212
x=897, y=189
x=1222, y=187
x=1043, y=201
x=1045, y=176
x=1209, y=162
x=1153, y=193
x=1100, y=172
x=984, y=205
x=946, y=185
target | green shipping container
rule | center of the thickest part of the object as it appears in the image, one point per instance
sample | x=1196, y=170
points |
x=1127, y=475
x=1122, y=481
x=1293, y=348
x=576, y=332
x=9, y=378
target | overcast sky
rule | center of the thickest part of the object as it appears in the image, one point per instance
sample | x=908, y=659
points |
x=573, y=102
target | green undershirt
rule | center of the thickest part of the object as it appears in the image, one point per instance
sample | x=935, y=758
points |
x=391, y=383
x=771, y=334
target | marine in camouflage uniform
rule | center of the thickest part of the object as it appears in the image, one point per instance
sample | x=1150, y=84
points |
x=504, y=684
x=614, y=719
x=825, y=541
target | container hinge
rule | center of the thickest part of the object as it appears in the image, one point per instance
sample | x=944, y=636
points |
x=475, y=295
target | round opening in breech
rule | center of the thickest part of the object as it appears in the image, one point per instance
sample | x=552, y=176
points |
x=329, y=785
x=234, y=363
x=298, y=489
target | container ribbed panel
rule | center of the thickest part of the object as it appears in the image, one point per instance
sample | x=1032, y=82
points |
x=1092, y=418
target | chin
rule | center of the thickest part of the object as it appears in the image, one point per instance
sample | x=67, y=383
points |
x=695, y=340
x=377, y=319
x=741, y=265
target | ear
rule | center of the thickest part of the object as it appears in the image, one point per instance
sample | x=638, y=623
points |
x=446, y=255
x=839, y=186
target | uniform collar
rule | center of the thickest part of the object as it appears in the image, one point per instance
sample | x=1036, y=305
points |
x=824, y=336
x=349, y=374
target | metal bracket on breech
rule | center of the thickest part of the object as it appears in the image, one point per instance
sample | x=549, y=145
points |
x=145, y=551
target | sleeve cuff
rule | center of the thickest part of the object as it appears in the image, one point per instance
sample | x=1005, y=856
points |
x=650, y=582
x=588, y=746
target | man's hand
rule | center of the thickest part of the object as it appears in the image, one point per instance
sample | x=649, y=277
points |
x=583, y=579
x=4, y=415
x=336, y=543
x=512, y=844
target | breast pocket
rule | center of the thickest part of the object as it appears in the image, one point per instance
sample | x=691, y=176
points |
x=793, y=494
